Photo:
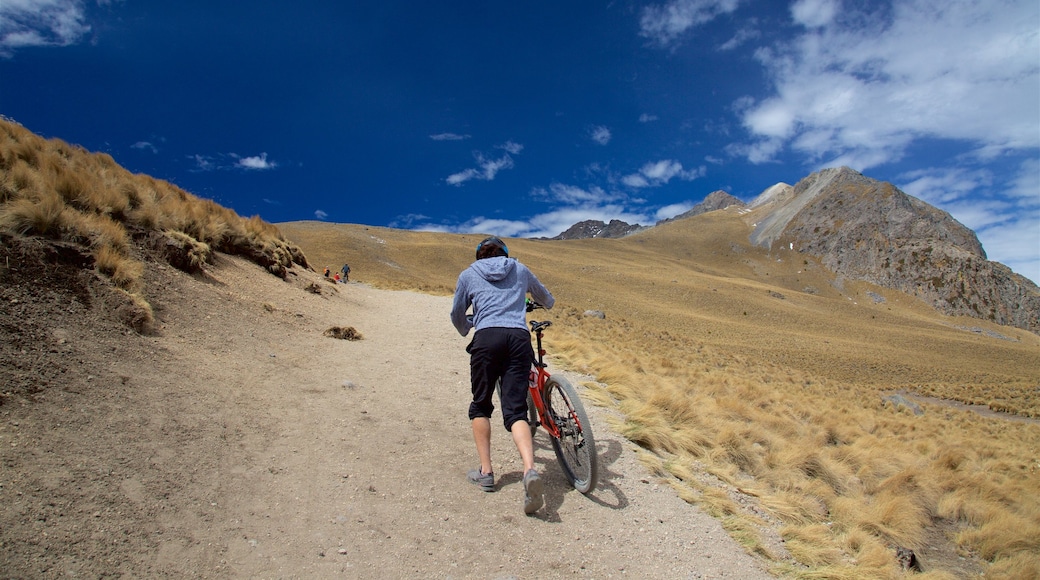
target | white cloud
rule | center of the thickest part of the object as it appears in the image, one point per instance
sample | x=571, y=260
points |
x=145, y=146
x=600, y=134
x=865, y=86
x=511, y=147
x=320, y=215
x=664, y=24
x=647, y=118
x=448, y=137
x=203, y=162
x=658, y=173
x=561, y=193
x=670, y=211
x=486, y=169
x=258, y=163
x=814, y=13
x=26, y=23
x=740, y=38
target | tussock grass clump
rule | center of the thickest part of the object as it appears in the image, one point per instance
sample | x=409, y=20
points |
x=55, y=190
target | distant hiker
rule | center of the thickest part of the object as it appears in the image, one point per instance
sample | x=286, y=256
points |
x=346, y=272
x=326, y=271
x=336, y=278
x=496, y=286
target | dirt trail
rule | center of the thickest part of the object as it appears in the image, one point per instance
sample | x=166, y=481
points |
x=241, y=442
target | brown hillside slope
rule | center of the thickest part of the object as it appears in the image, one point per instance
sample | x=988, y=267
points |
x=679, y=277
x=763, y=371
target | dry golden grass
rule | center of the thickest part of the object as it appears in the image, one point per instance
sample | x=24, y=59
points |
x=52, y=189
x=738, y=368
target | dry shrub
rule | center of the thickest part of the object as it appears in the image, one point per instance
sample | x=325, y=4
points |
x=644, y=426
x=24, y=182
x=135, y=312
x=27, y=152
x=817, y=467
x=184, y=252
x=1018, y=565
x=124, y=272
x=812, y=545
x=44, y=216
x=1003, y=535
x=102, y=232
x=75, y=188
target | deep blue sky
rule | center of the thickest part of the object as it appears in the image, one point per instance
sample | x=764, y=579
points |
x=523, y=118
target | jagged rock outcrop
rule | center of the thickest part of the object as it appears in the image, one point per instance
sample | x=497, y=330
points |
x=598, y=229
x=715, y=200
x=869, y=230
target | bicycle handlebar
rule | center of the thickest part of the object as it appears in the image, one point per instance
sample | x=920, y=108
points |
x=532, y=305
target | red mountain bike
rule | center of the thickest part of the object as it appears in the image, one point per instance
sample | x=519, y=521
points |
x=554, y=404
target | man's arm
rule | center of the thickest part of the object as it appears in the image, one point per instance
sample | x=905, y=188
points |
x=459, y=306
x=539, y=293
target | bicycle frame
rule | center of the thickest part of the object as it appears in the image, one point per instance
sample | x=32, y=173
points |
x=536, y=383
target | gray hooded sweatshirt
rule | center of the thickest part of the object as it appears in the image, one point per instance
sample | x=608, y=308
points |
x=497, y=289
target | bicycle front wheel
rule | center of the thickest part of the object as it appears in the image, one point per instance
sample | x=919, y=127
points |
x=575, y=448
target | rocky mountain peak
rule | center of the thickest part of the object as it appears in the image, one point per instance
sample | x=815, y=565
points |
x=865, y=229
x=598, y=229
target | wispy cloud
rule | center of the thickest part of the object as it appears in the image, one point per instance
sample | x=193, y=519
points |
x=448, y=137
x=203, y=163
x=145, y=146
x=255, y=163
x=647, y=118
x=487, y=168
x=565, y=194
x=231, y=161
x=320, y=215
x=28, y=23
x=511, y=147
x=658, y=173
x=742, y=37
x=814, y=13
x=663, y=24
x=861, y=87
x=600, y=134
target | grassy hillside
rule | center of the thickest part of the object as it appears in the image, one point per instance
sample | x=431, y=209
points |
x=63, y=193
x=749, y=374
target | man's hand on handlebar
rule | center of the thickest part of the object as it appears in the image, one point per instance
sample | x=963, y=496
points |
x=532, y=305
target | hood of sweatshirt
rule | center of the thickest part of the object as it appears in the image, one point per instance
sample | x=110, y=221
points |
x=494, y=269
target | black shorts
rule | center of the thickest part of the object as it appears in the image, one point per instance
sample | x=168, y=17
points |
x=506, y=354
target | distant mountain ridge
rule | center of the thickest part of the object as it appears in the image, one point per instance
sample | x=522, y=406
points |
x=598, y=229
x=864, y=229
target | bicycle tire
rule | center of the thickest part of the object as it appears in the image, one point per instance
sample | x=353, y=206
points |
x=576, y=447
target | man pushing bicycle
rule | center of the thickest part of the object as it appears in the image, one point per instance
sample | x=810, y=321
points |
x=496, y=286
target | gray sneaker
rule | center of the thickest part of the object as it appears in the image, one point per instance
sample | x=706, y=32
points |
x=486, y=481
x=532, y=492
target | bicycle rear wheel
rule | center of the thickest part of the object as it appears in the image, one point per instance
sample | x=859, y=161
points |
x=575, y=448
x=532, y=414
